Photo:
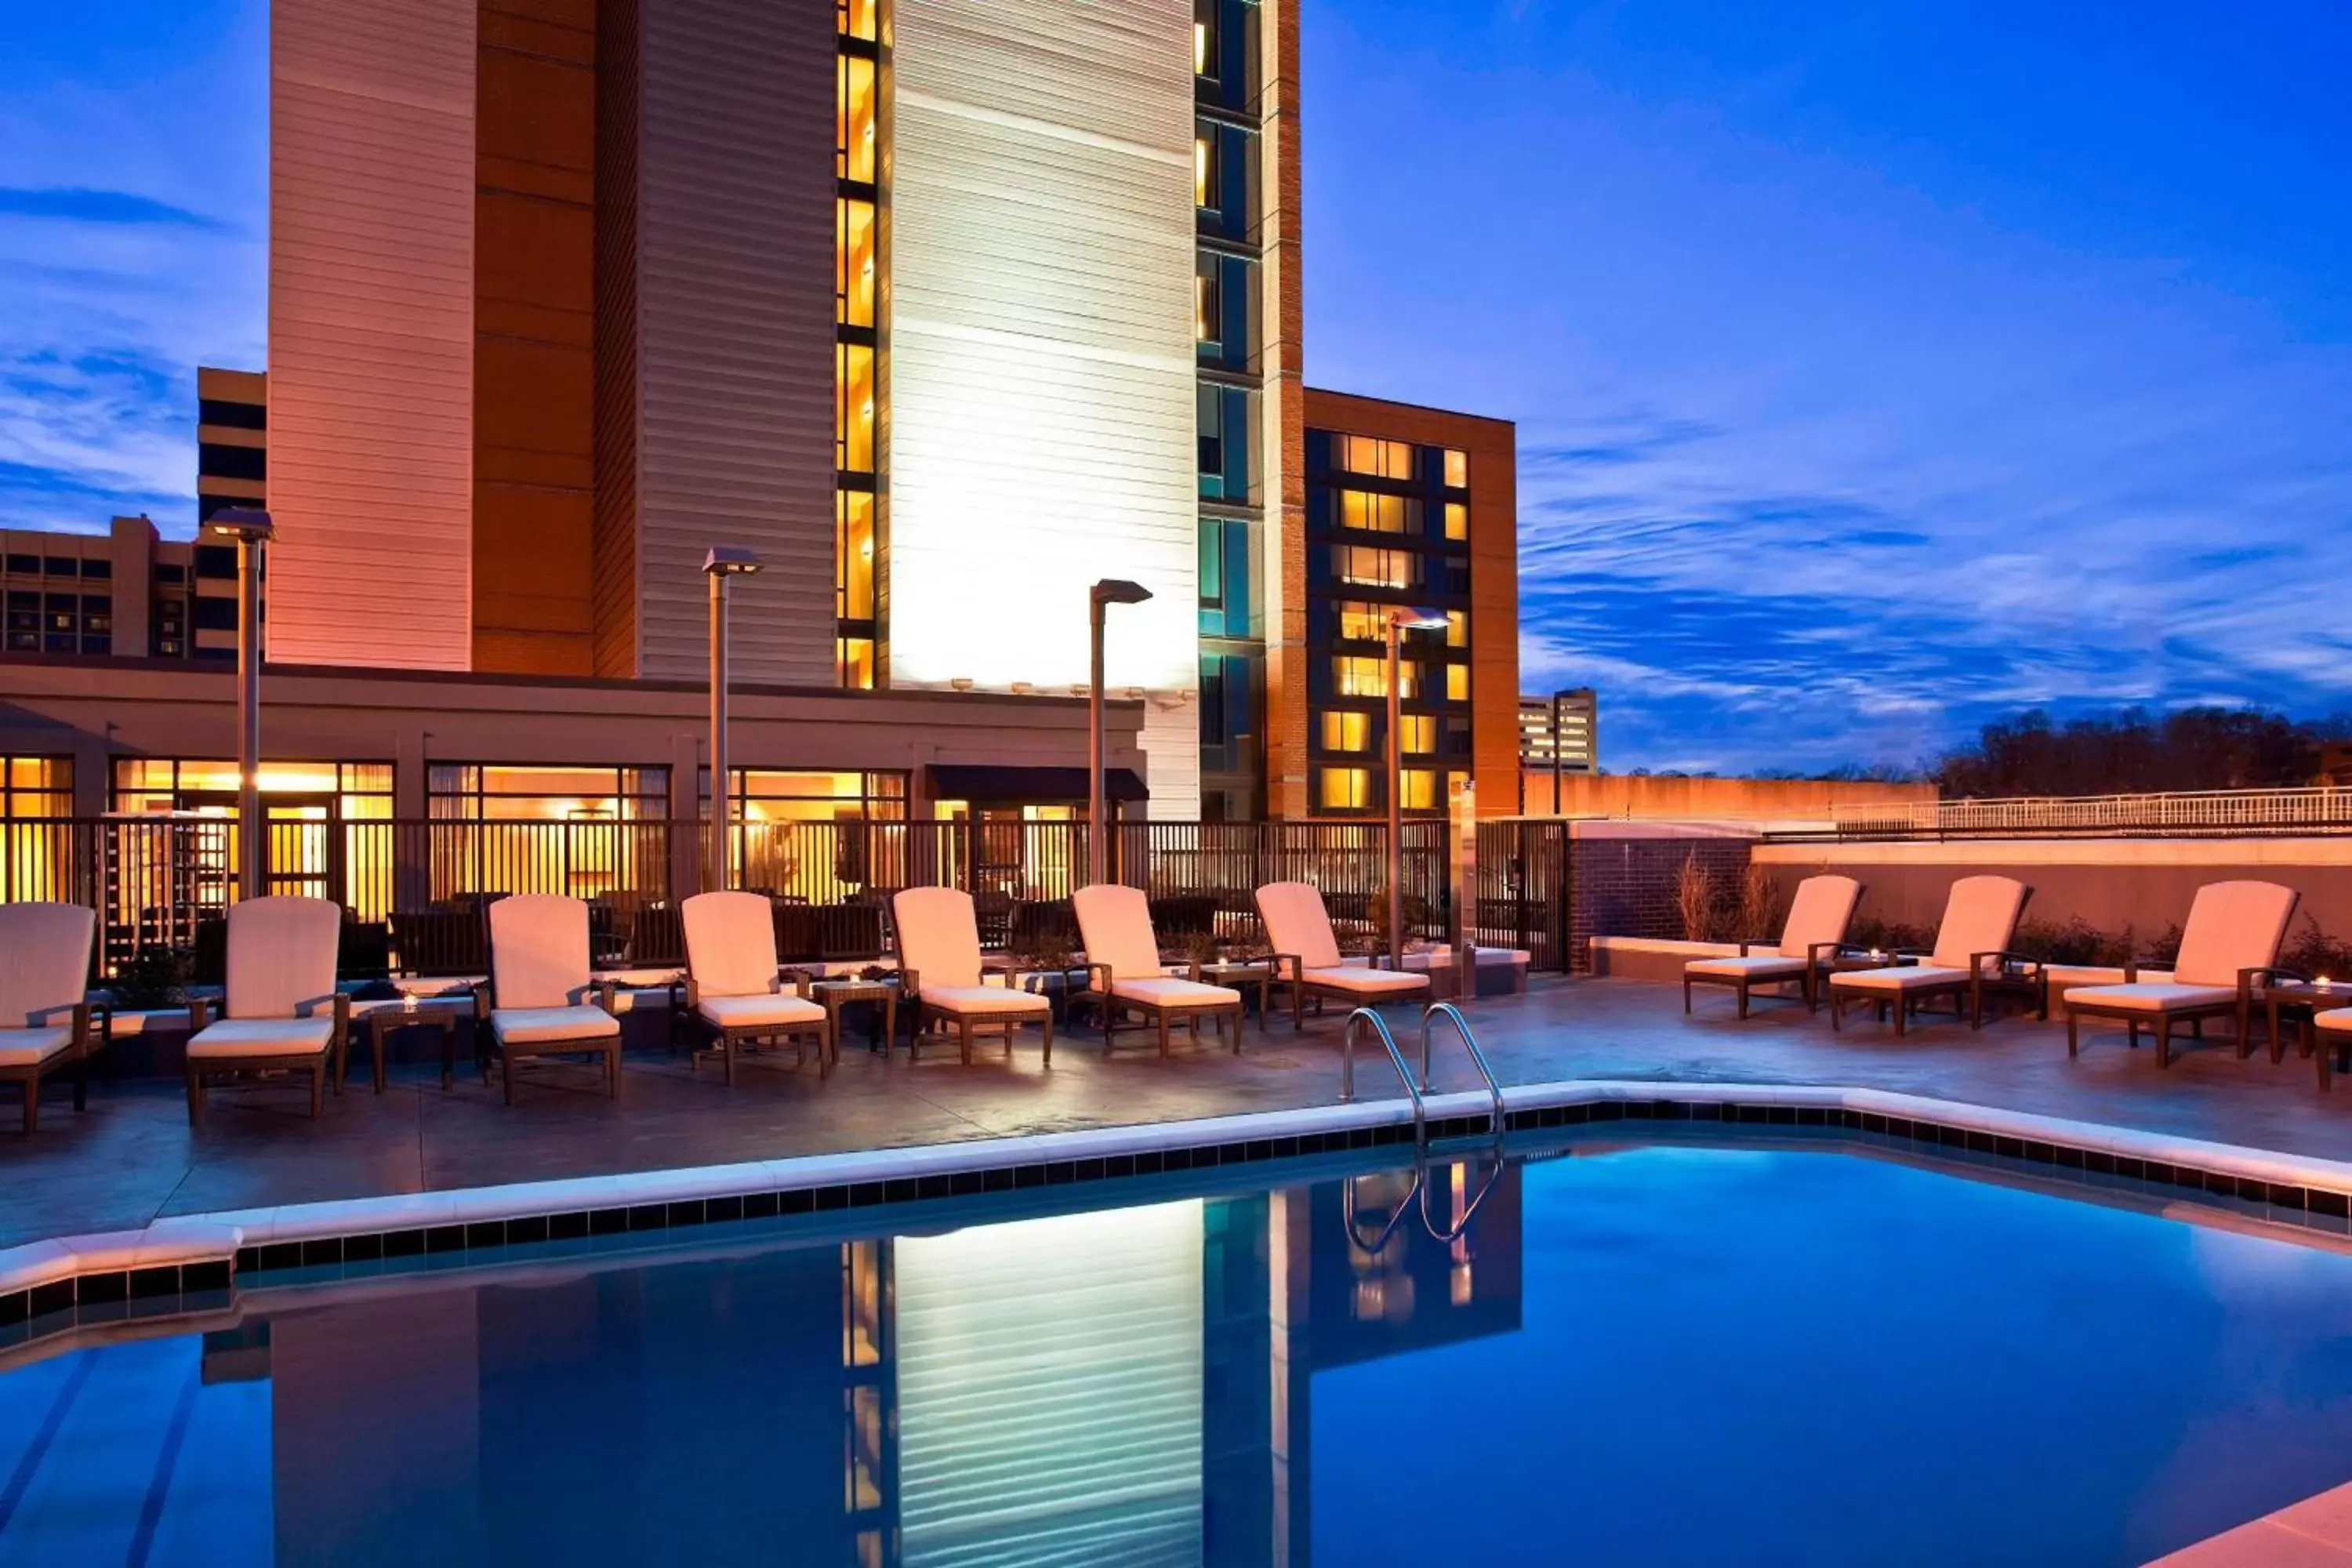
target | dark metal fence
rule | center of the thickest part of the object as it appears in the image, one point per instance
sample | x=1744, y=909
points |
x=417, y=891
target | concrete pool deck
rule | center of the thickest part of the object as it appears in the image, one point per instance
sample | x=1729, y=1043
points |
x=132, y=1158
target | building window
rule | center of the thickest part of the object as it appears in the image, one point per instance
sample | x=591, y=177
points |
x=1457, y=683
x=1419, y=791
x=853, y=663
x=854, y=547
x=216, y=460
x=1417, y=734
x=1379, y=513
x=1457, y=470
x=1457, y=521
x=1356, y=675
x=854, y=132
x=1457, y=628
x=1345, y=789
x=36, y=787
x=495, y=793
x=853, y=421
x=1365, y=566
x=857, y=18
x=1374, y=457
x=1345, y=730
x=853, y=263
x=1208, y=319
x=1204, y=168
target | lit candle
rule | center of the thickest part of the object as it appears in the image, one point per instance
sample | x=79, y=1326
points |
x=2322, y=983
x=408, y=1001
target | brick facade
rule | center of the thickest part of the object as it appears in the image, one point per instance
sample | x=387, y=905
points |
x=1625, y=886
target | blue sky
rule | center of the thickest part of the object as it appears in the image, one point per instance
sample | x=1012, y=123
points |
x=1878, y=367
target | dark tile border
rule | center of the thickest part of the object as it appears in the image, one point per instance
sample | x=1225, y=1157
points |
x=63, y=1305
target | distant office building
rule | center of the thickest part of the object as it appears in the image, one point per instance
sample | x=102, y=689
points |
x=1413, y=509
x=1577, y=743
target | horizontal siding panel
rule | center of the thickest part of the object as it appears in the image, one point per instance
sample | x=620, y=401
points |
x=734, y=341
x=1042, y=374
x=371, y=331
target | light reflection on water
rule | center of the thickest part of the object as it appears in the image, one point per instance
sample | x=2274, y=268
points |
x=1638, y=1354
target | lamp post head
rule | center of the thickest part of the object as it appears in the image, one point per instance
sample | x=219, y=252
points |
x=1118, y=590
x=730, y=561
x=242, y=524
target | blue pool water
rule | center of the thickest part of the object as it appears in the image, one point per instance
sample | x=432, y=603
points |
x=1777, y=1355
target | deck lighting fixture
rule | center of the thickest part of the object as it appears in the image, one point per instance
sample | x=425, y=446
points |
x=1107, y=592
x=722, y=566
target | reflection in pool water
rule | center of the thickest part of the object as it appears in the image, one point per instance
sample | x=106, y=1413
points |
x=1651, y=1355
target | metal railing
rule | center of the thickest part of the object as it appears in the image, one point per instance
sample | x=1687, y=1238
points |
x=416, y=892
x=1363, y=1017
x=2188, y=813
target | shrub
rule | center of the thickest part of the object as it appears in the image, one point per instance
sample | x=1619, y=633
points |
x=1759, y=900
x=2312, y=951
x=152, y=978
x=1695, y=900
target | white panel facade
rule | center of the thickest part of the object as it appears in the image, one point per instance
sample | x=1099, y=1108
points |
x=371, y=332
x=1041, y=360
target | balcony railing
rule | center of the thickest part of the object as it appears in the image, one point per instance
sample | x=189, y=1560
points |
x=2188, y=813
x=417, y=893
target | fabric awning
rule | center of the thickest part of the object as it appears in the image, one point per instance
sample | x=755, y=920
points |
x=990, y=785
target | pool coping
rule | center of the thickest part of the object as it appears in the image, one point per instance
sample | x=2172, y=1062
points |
x=149, y=1271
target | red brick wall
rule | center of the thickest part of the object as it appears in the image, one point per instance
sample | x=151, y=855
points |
x=1625, y=886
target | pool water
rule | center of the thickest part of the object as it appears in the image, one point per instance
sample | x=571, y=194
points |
x=1784, y=1352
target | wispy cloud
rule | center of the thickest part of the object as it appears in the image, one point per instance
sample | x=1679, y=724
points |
x=73, y=205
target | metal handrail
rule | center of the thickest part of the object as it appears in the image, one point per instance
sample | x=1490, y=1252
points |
x=1470, y=1042
x=1396, y=1059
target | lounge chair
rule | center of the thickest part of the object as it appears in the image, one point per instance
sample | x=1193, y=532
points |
x=1306, y=955
x=280, y=1011
x=1812, y=934
x=45, y=1011
x=1124, y=974
x=1980, y=917
x=733, y=986
x=939, y=955
x=2331, y=1038
x=2233, y=935
x=540, y=999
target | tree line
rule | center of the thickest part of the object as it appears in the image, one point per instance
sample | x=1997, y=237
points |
x=2133, y=750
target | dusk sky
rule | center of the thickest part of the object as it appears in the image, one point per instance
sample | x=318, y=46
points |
x=1879, y=368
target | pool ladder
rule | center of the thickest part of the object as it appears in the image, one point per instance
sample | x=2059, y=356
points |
x=1364, y=1017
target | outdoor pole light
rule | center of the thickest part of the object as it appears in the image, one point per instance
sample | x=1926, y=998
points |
x=725, y=562
x=251, y=528
x=1399, y=621
x=1109, y=591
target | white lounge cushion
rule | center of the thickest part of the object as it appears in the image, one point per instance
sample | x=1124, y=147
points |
x=730, y=943
x=539, y=953
x=1981, y=915
x=281, y=957
x=261, y=1037
x=1175, y=995
x=30, y=1048
x=537, y=1026
x=44, y=961
x=939, y=936
x=1364, y=980
x=1754, y=966
x=1115, y=925
x=2233, y=926
x=781, y=1010
x=2340, y=1018
x=1297, y=924
x=1908, y=977
x=2150, y=996
x=976, y=1000
x=1820, y=912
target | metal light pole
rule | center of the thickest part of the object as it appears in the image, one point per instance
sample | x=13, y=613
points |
x=724, y=563
x=1399, y=621
x=251, y=530
x=1109, y=591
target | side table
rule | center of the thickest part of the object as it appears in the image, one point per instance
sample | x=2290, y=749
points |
x=382, y=1018
x=836, y=995
x=1240, y=975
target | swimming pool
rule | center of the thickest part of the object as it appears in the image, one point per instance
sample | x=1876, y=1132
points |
x=1770, y=1350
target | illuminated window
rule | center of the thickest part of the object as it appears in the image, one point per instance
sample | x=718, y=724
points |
x=1419, y=791
x=1345, y=731
x=852, y=120
x=1457, y=683
x=1457, y=628
x=1380, y=514
x=1367, y=454
x=1354, y=675
x=1457, y=521
x=1368, y=567
x=853, y=663
x=36, y=787
x=495, y=793
x=1346, y=789
x=853, y=408
x=1417, y=734
x=857, y=18
x=1457, y=470
x=1204, y=169
x=853, y=549
x=1360, y=622
x=853, y=263
x=1200, y=48
x=1207, y=323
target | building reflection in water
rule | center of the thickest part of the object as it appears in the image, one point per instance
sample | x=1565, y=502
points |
x=1132, y=1386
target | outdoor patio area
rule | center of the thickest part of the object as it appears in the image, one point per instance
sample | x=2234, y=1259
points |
x=132, y=1156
